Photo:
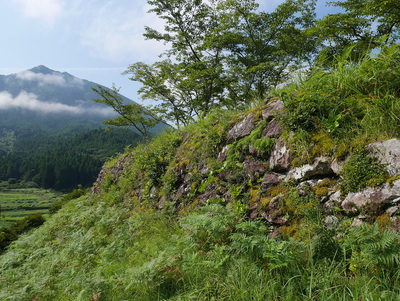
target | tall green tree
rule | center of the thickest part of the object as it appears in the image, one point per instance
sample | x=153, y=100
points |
x=264, y=47
x=188, y=82
x=362, y=24
x=220, y=52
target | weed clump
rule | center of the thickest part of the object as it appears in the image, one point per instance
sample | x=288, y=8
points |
x=362, y=170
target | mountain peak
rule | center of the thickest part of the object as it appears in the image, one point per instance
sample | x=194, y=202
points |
x=42, y=69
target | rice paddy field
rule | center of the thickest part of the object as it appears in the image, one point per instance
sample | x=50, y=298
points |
x=17, y=203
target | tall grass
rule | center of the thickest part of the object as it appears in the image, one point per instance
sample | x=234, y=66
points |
x=109, y=253
x=361, y=95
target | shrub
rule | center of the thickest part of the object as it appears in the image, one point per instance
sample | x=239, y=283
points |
x=306, y=111
x=8, y=235
x=27, y=223
x=74, y=194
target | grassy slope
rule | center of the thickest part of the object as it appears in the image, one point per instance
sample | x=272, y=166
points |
x=111, y=247
x=116, y=246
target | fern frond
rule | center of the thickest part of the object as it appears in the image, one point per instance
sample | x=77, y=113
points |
x=377, y=248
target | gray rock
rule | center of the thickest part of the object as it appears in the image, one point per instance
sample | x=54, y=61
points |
x=274, y=212
x=337, y=166
x=357, y=222
x=388, y=153
x=331, y=221
x=392, y=210
x=253, y=169
x=243, y=127
x=389, y=193
x=253, y=151
x=304, y=187
x=223, y=154
x=269, y=180
x=320, y=168
x=280, y=159
x=115, y=171
x=274, y=108
x=334, y=200
x=335, y=197
x=273, y=129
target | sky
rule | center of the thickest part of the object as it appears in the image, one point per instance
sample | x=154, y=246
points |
x=94, y=40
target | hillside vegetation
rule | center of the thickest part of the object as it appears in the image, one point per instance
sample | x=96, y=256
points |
x=293, y=196
x=185, y=218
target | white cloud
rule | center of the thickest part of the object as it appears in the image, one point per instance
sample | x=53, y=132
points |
x=114, y=31
x=45, y=10
x=43, y=79
x=30, y=101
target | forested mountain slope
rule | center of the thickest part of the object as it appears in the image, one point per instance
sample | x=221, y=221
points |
x=64, y=162
x=51, y=131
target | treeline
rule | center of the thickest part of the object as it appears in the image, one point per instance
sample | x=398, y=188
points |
x=227, y=53
x=63, y=163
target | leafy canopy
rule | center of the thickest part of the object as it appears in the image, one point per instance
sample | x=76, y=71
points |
x=222, y=53
x=225, y=53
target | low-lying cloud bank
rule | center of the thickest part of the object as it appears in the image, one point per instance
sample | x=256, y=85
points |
x=30, y=101
x=46, y=79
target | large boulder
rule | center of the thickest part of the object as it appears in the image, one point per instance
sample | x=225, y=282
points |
x=378, y=197
x=320, y=168
x=388, y=153
x=275, y=213
x=243, y=128
x=253, y=169
x=269, y=180
x=273, y=108
x=273, y=129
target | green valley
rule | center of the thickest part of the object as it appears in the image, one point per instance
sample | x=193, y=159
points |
x=18, y=203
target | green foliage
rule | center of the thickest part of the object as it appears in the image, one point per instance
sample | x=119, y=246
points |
x=61, y=162
x=139, y=237
x=8, y=235
x=251, y=241
x=222, y=54
x=237, y=151
x=308, y=111
x=74, y=194
x=372, y=249
x=349, y=96
x=154, y=158
x=326, y=245
x=129, y=114
x=92, y=249
x=27, y=223
x=362, y=170
x=18, y=203
x=363, y=24
x=357, y=99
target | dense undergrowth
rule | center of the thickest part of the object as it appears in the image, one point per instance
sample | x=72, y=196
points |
x=94, y=251
x=337, y=111
x=133, y=238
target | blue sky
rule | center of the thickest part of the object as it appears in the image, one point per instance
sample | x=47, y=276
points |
x=91, y=39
